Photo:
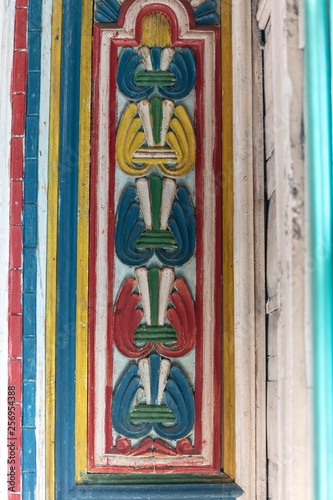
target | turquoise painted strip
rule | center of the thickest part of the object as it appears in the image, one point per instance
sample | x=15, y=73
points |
x=318, y=71
x=67, y=248
x=30, y=238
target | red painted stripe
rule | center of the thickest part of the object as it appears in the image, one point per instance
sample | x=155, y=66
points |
x=14, y=292
x=15, y=336
x=16, y=202
x=15, y=377
x=16, y=478
x=199, y=119
x=92, y=248
x=15, y=247
x=217, y=443
x=16, y=159
x=20, y=63
x=18, y=88
x=20, y=29
x=18, y=114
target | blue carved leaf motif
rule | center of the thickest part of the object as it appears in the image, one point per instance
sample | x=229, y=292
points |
x=182, y=66
x=129, y=228
x=122, y=400
x=107, y=11
x=206, y=13
x=178, y=397
x=182, y=225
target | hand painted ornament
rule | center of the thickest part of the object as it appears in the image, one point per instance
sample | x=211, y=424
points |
x=135, y=339
x=166, y=405
x=204, y=11
x=168, y=225
x=172, y=72
x=155, y=133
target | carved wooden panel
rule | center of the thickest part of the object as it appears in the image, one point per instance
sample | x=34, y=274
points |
x=155, y=239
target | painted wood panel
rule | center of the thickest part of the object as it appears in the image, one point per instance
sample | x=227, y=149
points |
x=155, y=332
x=163, y=301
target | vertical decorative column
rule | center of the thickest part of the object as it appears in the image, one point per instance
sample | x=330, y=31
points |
x=155, y=262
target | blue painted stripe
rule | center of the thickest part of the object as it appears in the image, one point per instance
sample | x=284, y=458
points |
x=29, y=356
x=30, y=251
x=158, y=492
x=33, y=90
x=29, y=315
x=28, y=485
x=30, y=226
x=29, y=270
x=31, y=135
x=67, y=248
x=29, y=407
x=29, y=453
x=34, y=50
x=30, y=181
x=35, y=15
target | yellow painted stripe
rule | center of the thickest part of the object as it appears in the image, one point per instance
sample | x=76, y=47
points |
x=229, y=455
x=81, y=399
x=51, y=286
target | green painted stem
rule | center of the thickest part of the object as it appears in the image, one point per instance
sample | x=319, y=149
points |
x=153, y=284
x=156, y=113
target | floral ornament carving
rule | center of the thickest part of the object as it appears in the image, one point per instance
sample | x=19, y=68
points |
x=167, y=228
x=165, y=405
x=172, y=72
x=155, y=133
x=173, y=338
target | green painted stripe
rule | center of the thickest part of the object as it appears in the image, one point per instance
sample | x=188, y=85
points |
x=156, y=113
x=164, y=238
x=156, y=329
x=155, y=245
x=148, y=419
x=144, y=407
x=159, y=340
x=158, y=78
x=152, y=413
x=155, y=186
x=158, y=234
x=153, y=283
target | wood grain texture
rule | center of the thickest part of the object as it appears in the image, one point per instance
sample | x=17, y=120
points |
x=259, y=255
x=293, y=406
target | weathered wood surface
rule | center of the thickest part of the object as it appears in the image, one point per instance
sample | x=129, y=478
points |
x=288, y=386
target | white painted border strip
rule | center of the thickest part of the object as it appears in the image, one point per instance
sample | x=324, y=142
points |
x=245, y=387
x=102, y=259
x=7, y=14
x=209, y=236
x=44, y=113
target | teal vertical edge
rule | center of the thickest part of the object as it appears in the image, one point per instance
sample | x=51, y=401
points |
x=318, y=74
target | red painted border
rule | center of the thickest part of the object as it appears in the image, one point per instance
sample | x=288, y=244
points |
x=92, y=246
x=197, y=46
x=18, y=98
